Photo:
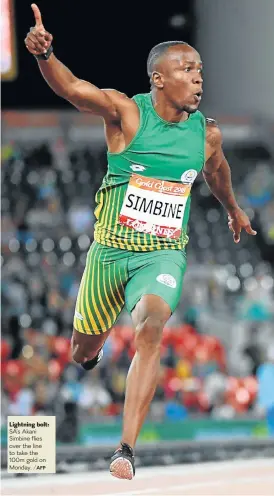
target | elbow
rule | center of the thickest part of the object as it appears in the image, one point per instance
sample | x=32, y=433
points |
x=207, y=175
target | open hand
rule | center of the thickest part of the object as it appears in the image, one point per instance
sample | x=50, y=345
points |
x=238, y=220
x=38, y=40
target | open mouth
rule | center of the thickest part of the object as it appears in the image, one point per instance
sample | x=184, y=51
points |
x=198, y=95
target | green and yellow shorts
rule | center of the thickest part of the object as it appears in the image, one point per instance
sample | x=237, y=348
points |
x=114, y=278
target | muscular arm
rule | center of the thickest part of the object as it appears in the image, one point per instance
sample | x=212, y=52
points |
x=216, y=171
x=83, y=95
x=217, y=175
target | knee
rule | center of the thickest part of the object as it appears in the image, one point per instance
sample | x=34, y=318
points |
x=84, y=347
x=149, y=334
x=79, y=353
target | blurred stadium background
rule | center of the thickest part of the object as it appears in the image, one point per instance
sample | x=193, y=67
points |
x=217, y=379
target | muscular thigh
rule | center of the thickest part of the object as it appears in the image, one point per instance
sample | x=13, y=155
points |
x=159, y=273
x=150, y=307
x=101, y=294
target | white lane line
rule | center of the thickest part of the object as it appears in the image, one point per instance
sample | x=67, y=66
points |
x=196, y=485
x=142, y=473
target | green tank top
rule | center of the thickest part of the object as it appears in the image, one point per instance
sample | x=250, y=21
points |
x=143, y=203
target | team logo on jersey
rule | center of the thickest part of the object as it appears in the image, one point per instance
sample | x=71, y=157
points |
x=137, y=167
x=167, y=280
x=189, y=176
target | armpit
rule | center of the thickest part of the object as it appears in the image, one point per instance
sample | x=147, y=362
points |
x=122, y=102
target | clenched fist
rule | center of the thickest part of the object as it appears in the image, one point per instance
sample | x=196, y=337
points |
x=38, y=40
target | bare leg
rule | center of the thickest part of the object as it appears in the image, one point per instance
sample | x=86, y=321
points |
x=86, y=346
x=149, y=318
x=141, y=384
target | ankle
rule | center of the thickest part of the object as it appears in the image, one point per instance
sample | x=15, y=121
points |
x=127, y=446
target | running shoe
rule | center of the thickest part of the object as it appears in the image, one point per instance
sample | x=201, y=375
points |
x=122, y=463
x=90, y=364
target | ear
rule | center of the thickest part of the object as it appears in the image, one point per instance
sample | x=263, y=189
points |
x=158, y=79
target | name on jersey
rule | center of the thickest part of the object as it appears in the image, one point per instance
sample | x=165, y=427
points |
x=154, y=206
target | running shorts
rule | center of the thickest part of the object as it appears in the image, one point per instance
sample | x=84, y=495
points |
x=114, y=278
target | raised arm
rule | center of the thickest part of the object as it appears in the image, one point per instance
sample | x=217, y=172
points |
x=82, y=94
x=217, y=175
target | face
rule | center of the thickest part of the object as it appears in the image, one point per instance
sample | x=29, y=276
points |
x=179, y=76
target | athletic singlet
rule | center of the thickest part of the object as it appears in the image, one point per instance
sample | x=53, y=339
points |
x=143, y=203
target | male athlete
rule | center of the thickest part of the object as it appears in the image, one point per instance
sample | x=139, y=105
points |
x=157, y=144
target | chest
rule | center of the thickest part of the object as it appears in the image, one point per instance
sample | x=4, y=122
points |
x=166, y=152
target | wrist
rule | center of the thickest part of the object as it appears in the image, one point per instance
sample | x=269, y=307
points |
x=232, y=209
x=45, y=56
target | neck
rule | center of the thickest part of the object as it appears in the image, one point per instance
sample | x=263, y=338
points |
x=166, y=110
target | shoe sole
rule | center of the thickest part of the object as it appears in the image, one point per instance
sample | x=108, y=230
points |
x=121, y=468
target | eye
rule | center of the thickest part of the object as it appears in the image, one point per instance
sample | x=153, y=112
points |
x=187, y=69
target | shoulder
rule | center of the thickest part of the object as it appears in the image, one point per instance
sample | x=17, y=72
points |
x=123, y=104
x=114, y=94
x=213, y=133
x=117, y=97
x=211, y=122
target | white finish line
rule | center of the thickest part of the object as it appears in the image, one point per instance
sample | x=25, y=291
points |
x=242, y=475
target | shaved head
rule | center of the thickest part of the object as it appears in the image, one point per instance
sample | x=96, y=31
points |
x=158, y=51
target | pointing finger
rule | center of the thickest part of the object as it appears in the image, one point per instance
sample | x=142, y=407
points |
x=37, y=15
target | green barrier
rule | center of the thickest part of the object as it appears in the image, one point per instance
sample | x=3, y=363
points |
x=179, y=430
x=194, y=429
